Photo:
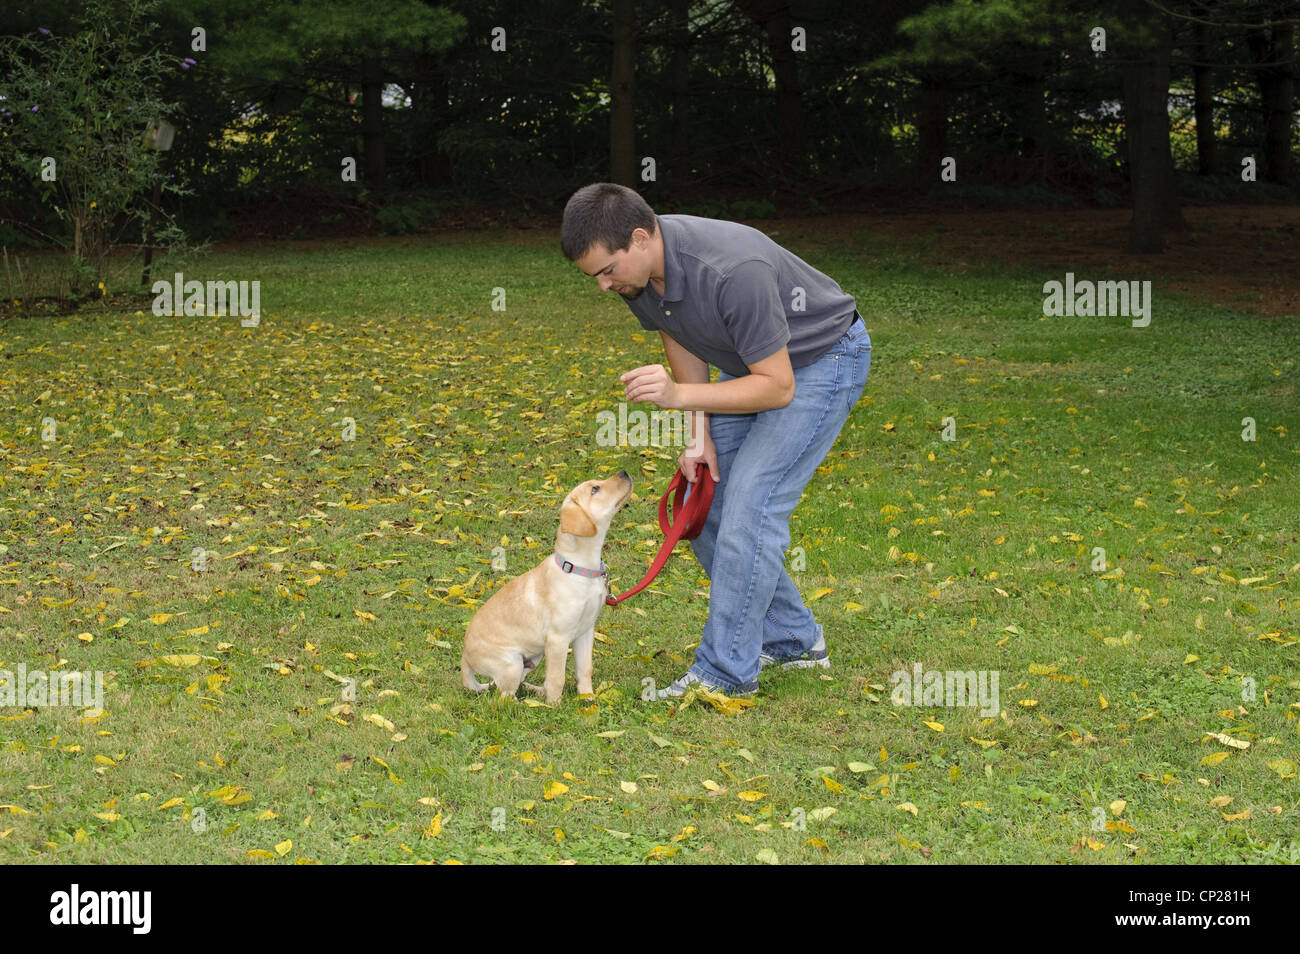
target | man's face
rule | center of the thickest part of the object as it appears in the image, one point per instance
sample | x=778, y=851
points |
x=625, y=272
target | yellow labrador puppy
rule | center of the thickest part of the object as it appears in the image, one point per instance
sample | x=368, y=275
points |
x=553, y=605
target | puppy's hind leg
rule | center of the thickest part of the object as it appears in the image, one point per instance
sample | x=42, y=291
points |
x=467, y=677
x=509, y=676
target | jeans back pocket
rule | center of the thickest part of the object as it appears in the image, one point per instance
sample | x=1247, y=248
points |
x=861, y=363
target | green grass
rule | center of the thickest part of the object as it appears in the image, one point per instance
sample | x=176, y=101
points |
x=471, y=424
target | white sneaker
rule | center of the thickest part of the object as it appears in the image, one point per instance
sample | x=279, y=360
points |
x=689, y=680
x=817, y=656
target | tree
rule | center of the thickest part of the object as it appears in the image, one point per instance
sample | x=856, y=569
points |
x=1144, y=41
x=1273, y=47
x=80, y=106
x=284, y=54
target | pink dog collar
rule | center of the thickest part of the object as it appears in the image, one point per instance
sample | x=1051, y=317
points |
x=569, y=567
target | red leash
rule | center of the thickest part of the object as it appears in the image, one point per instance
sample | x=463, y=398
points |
x=686, y=523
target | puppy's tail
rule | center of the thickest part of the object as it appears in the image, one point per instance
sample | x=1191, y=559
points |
x=467, y=678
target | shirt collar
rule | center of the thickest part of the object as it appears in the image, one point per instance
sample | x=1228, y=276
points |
x=674, y=277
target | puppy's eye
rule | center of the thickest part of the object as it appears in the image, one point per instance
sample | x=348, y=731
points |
x=595, y=490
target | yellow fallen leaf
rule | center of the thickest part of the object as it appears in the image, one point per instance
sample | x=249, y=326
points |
x=833, y=785
x=818, y=594
x=435, y=826
x=1117, y=807
x=171, y=803
x=554, y=788
x=159, y=618
x=750, y=796
x=1283, y=767
x=231, y=795
x=629, y=787
x=107, y=816
x=1102, y=700
x=1214, y=758
x=258, y=853
x=284, y=847
x=937, y=726
x=908, y=807
x=1221, y=801
x=183, y=660
x=1241, y=816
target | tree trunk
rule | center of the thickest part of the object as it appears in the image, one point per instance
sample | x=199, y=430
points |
x=372, y=129
x=1146, y=74
x=776, y=22
x=679, y=173
x=622, y=109
x=430, y=109
x=932, y=128
x=791, y=144
x=1029, y=95
x=1274, y=49
x=1203, y=82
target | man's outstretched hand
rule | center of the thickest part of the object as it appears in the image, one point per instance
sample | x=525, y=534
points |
x=650, y=382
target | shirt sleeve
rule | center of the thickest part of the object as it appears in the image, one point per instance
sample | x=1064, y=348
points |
x=749, y=302
x=644, y=323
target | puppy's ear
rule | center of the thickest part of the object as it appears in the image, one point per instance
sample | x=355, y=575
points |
x=574, y=520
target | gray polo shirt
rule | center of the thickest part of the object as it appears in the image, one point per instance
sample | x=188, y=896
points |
x=732, y=296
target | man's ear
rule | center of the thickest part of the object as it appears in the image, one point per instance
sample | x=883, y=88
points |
x=574, y=520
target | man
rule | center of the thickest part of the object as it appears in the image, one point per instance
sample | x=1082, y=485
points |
x=793, y=357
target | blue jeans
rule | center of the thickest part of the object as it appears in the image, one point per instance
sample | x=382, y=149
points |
x=765, y=460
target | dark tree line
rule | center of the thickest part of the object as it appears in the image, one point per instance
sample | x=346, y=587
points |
x=725, y=106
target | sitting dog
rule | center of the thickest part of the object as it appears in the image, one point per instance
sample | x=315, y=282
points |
x=553, y=605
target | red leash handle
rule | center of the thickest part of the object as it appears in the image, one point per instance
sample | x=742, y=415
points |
x=687, y=520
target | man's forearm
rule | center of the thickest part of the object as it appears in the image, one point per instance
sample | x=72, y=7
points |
x=743, y=395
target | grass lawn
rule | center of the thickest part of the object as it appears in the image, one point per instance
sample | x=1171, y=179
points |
x=225, y=734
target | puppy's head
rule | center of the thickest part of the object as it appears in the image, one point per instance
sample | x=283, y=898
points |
x=591, y=505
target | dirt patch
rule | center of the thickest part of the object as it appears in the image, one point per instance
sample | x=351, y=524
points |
x=1245, y=257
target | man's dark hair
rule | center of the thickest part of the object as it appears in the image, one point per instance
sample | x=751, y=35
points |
x=604, y=213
